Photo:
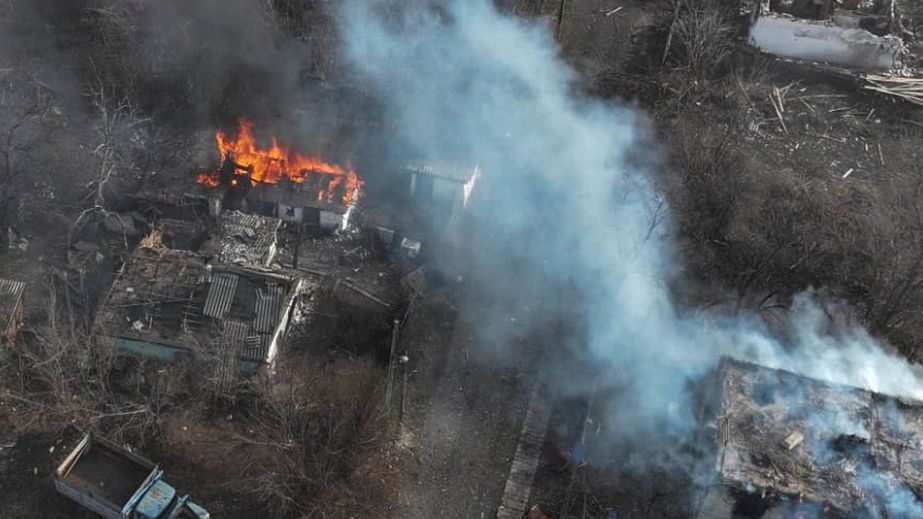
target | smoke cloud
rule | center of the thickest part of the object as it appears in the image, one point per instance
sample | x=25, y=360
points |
x=571, y=226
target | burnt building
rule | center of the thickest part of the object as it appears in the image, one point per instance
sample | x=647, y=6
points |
x=11, y=309
x=304, y=203
x=171, y=305
x=781, y=444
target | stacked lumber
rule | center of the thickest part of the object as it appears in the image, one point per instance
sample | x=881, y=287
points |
x=909, y=89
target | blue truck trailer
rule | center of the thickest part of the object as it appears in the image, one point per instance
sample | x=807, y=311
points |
x=118, y=484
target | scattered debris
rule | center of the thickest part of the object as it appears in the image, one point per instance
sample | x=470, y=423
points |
x=415, y=281
x=793, y=440
x=909, y=89
x=245, y=240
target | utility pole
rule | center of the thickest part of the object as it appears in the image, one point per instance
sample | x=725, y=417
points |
x=390, y=386
x=562, y=12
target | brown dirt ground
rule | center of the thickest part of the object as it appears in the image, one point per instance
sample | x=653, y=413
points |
x=462, y=419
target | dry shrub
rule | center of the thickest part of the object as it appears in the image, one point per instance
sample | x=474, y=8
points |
x=704, y=36
x=316, y=442
x=758, y=229
x=59, y=375
x=707, y=187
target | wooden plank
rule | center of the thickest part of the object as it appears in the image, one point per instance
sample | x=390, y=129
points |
x=515, y=500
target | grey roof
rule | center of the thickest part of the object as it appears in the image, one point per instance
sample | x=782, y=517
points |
x=172, y=297
x=246, y=239
x=221, y=294
x=837, y=435
x=267, y=307
x=11, y=293
x=447, y=170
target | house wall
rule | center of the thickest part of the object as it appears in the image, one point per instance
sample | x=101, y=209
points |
x=215, y=206
x=291, y=214
x=159, y=352
x=170, y=354
x=825, y=42
x=279, y=332
x=330, y=220
x=443, y=199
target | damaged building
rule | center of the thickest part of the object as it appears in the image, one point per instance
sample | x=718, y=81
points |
x=442, y=189
x=11, y=309
x=431, y=200
x=169, y=305
x=244, y=240
x=274, y=180
x=864, y=35
x=784, y=444
x=297, y=203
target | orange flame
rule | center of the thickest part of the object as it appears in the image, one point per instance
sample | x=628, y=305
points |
x=270, y=165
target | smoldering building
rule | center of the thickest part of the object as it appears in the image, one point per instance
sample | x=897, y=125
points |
x=783, y=444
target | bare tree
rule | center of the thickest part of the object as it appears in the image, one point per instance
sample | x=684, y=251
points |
x=26, y=109
x=317, y=442
x=62, y=376
x=121, y=136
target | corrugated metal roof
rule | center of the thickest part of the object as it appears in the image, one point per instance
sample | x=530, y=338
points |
x=267, y=303
x=221, y=294
x=255, y=347
x=10, y=297
x=234, y=334
x=247, y=239
x=449, y=171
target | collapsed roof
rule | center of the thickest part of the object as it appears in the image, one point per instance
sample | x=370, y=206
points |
x=245, y=239
x=785, y=434
x=173, y=298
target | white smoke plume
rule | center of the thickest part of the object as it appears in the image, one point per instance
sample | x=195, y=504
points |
x=571, y=225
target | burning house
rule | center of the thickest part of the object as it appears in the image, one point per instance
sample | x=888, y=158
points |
x=858, y=34
x=11, y=309
x=783, y=443
x=279, y=182
x=170, y=304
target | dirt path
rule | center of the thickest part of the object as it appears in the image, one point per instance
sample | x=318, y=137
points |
x=462, y=421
